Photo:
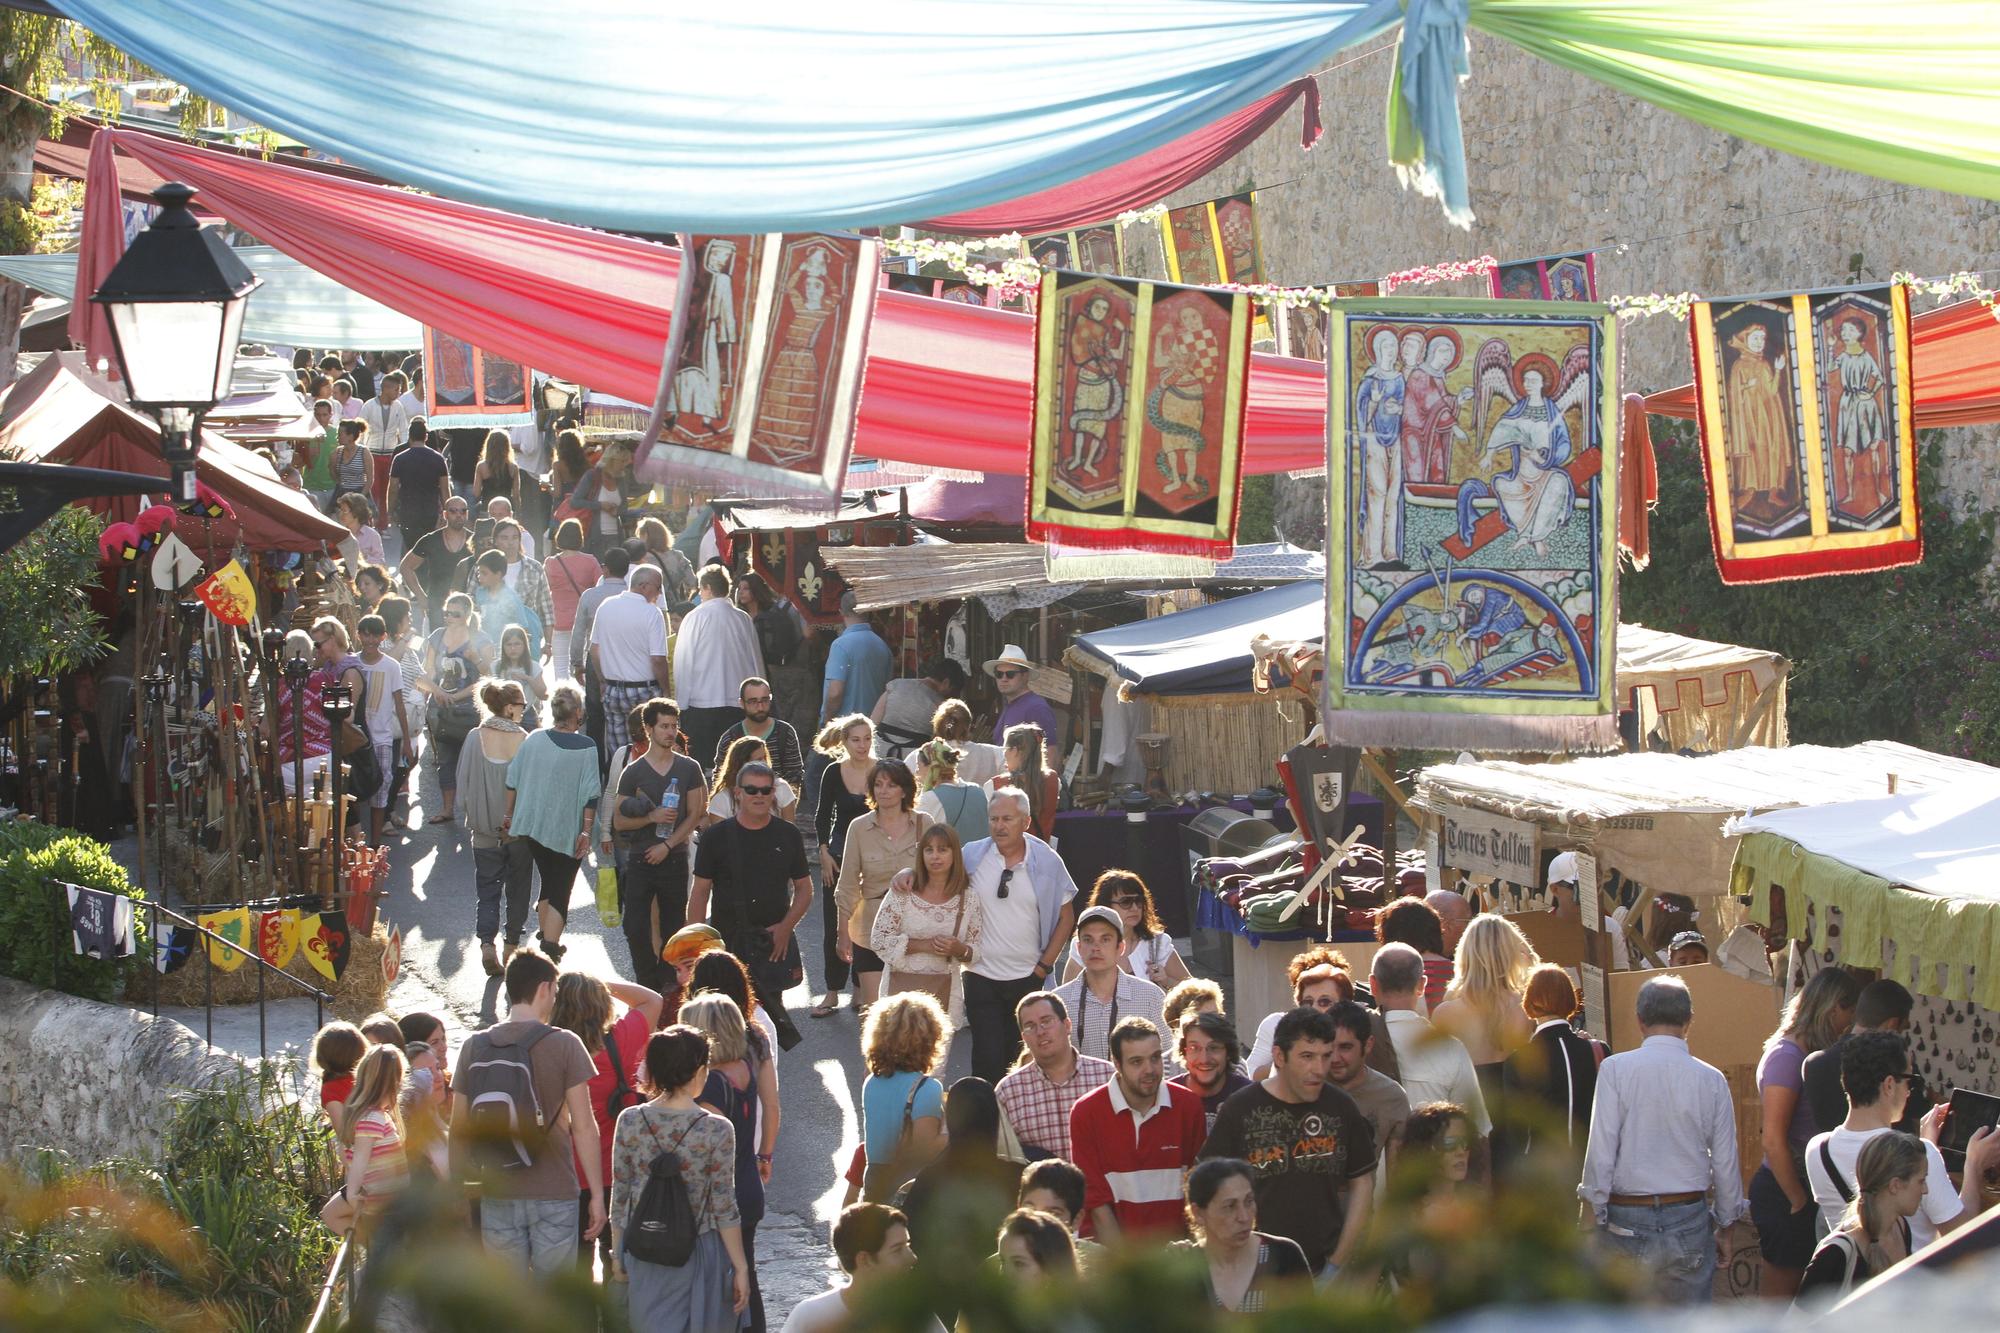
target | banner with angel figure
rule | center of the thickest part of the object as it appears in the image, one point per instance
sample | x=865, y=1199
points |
x=1139, y=404
x=1471, y=551
x=761, y=383
x=1807, y=440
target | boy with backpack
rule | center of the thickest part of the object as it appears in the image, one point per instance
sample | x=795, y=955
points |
x=519, y=1096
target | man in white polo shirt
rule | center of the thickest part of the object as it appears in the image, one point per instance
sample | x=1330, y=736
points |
x=628, y=647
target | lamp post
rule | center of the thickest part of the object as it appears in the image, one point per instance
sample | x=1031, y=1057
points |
x=296, y=671
x=176, y=301
x=157, y=682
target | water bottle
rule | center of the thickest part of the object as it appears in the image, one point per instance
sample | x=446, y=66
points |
x=670, y=801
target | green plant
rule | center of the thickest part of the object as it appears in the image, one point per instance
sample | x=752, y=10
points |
x=34, y=918
x=47, y=625
x=1907, y=654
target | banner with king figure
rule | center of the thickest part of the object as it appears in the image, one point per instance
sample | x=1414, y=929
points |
x=1807, y=435
x=761, y=384
x=1471, y=549
x=1139, y=405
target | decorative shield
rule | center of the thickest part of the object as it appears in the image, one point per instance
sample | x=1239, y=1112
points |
x=324, y=938
x=392, y=956
x=234, y=927
x=278, y=936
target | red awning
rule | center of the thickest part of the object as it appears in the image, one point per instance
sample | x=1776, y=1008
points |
x=61, y=413
x=948, y=385
x=1954, y=369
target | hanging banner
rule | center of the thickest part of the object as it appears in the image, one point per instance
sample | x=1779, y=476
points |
x=228, y=594
x=233, y=926
x=1487, y=844
x=1472, y=555
x=1302, y=330
x=1212, y=243
x=278, y=936
x=764, y=361
x=1570, y=277
x=100, y=922
x=1099, y=249
x=956, y=290
x=1807, y=437
x=464, y=386
x=324, y=938
x=1139, y=403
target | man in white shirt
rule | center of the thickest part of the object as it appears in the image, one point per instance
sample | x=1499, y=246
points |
x=387, y=723
x=715, y=651
x=387, y=415
x=1660, y=1178
x=1875, y=1071
x=1434, y=1067
x=1104, y=992
x=525, y=575
x=628, y=648
x=872, y=1242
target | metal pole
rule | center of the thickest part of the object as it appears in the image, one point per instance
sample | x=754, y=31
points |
x=153, y=938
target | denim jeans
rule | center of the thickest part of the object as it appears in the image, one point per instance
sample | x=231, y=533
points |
x=508, y=871
x=538, y=1232
x=1674, y=1243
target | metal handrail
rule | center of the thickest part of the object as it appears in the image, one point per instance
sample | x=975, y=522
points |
x=343, y=1260
x=321, y=999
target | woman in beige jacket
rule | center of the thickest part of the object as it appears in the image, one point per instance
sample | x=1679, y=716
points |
x=879, y=844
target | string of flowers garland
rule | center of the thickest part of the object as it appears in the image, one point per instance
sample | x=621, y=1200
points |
x=1962, y=283
x=1450, y=271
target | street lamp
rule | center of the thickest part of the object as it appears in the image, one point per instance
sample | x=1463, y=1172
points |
x=176, y=303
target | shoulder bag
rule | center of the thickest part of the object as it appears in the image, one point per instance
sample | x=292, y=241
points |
x=879, y=1180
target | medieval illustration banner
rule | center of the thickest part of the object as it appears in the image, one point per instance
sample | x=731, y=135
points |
x=1550, y=278
x=954, y=289
x=762, y=378
x=1216, y=242
x=1099, y=249
x=1139, y=405
x=464, y=386
x=1471, y=550
x=1302, y=328
x=1807, y=440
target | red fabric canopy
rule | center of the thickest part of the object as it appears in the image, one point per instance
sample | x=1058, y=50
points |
x=1145, y=179
x=948, y=385
x=61, y=413
x=1954, y=370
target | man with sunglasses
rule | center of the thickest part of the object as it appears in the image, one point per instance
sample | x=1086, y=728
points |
x=1875, y=1070
x=435, y=564
x=741, y=868
x=1029, y=904
x=1018, y=702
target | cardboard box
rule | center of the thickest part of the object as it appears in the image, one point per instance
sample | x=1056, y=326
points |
x=1556, y=941
x=1733, y=1018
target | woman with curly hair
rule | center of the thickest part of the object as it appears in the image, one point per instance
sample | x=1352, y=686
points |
x=1320, y=978
x=1437, y=1150
x=902, y=1104
x=1149, y=950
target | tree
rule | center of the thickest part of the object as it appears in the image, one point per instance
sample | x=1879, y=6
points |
x=46, y=622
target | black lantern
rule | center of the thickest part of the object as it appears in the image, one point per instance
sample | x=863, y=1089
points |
x=274, y=642
x=176, y=303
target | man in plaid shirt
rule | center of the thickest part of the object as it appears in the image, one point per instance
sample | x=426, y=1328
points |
x=1037, y=1097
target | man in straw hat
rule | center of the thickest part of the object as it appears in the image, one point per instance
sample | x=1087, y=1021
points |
x=1019, y=703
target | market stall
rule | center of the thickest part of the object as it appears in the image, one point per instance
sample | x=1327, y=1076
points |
x=1908, y=883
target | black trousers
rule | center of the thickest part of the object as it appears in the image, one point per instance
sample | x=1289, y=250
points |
x=703, y=727
x=558, y=876
x=640, y=888
x=837, y=970
x=989, y=1013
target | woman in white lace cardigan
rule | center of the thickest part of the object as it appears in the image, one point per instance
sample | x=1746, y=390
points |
x=927, y=933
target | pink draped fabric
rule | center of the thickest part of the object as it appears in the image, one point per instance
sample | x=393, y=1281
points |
x=948, y=385
x=1145, y=179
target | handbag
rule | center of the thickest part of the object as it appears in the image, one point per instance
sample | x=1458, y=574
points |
x=608, y=909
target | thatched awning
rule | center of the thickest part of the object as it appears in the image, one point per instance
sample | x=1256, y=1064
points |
x=942, y=571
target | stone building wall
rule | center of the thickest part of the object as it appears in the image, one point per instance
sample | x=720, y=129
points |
x=1559, y=162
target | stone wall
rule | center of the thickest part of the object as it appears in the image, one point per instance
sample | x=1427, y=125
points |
x=92, y=1079
x=1559, y=162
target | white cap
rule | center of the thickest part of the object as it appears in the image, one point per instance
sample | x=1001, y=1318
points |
x=1562, y=870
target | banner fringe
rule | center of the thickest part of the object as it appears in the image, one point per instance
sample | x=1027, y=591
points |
x=1508, y=733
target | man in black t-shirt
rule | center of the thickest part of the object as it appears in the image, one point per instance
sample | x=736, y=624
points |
x=1309, y=1145
x=435, y=564
x=418, y=486
x=661, y=802
x=744, y=869
x=1882, y=1006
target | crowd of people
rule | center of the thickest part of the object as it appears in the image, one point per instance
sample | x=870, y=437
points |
x=613, y=699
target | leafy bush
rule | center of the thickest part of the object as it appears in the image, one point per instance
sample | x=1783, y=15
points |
x=1909, y=654
x=35, y=942
x=223, y=1235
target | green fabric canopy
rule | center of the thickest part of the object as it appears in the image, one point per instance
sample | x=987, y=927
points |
x=1908, y=91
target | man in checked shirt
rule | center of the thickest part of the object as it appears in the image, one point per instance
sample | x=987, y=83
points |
x=1036, y=1098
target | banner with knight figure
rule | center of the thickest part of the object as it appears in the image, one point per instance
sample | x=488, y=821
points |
x=464, y=386
x=761, y=383
x=1139, y=405
x=1807, y=436
x=1471, y=551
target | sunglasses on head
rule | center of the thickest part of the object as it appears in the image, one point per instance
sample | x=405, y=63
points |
x=758, y=791
x=1005, y=875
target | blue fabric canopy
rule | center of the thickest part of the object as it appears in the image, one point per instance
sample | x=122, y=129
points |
x=783, y=115
x=295, y=307
x=1207, y=650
